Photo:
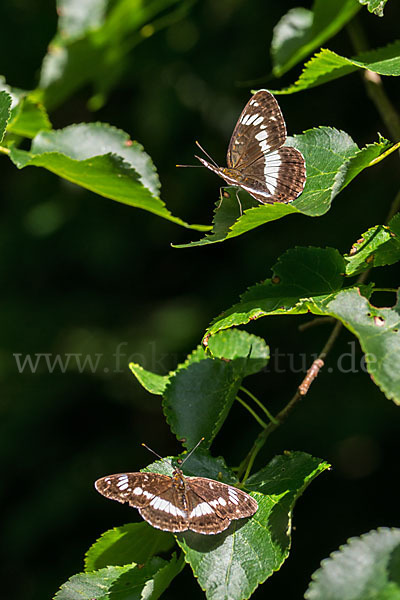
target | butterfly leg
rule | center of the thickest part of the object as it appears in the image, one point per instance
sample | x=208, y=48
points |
x=222, y=195
x=240, y=204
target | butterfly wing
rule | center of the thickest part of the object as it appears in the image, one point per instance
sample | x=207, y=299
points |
x=138, y=489
x=213, y=505
x=260, y=129
x=152, y=494
x=278, y=176
x=167, y=511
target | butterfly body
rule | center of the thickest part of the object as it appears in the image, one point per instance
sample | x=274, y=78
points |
x=179, y=503
x=257, y=160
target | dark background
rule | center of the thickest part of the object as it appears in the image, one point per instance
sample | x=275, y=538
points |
x=83, y=274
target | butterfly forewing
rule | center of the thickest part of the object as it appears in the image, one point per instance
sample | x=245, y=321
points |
x=260, y=129
x=136, y=488
x=179, y=503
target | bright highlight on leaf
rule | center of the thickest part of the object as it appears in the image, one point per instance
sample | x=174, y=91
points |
x=365, y=567
x=375, y=6
x=130, y=582
x=5, y=106
x=136, y=542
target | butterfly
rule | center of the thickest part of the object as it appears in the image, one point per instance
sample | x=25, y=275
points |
x=179, y=503
x=257, y=161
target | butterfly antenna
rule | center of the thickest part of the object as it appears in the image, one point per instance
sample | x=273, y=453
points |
x=152, y=451
x=191, y=166
x=206, y=153
x=192, y=450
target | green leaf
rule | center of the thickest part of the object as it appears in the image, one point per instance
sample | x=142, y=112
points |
x=300, y=31
x=103, y=160
x=156, y=384
x=332, y=158
x=378, y=246
x=248, y=353
x=135, y=542
x=152, y=382
x=374, y=6
x=304, y=279
x=233, y=563
x=198, y=398
x=199, y=464
x=89, y=50
x=198, y=395
x=327, y=65
x=130, y=582
x=5, y=105
x=309, y=280
x=378, y=332
x=28, y=118
x=366, y=567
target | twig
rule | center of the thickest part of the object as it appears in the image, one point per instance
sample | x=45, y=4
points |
x=316, y=322
x=247, y=463
x=310, y=376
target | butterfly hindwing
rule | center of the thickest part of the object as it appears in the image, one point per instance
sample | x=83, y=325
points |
x=167, y=511
x=277, y=177
x=228, y=501
x=260, y=129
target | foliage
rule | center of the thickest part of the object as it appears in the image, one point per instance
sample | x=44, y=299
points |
x=92, y=49
x=367, y=566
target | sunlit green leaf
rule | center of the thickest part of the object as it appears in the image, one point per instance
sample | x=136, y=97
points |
x=375, y=6
x=198, y=398
x=309, y=280
x=102, y=159
x=365, y=567
x=198, y=395
x=5, y=105
x=378, y=331
x=303, y=279
x=28, y=118
x=130, y=582
x=152, y=382
x=327, y=65
x=301, y=31
x=378, y=246
x=135, y=542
